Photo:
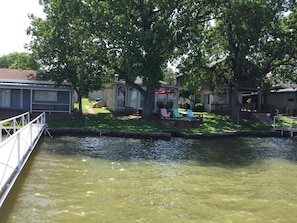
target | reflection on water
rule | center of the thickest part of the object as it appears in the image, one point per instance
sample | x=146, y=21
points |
x=129, y=180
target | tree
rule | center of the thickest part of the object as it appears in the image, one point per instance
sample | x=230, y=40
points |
x=22, y=61
x=169, y=75
x=278, y=56
x=142, y=36
x=131, y=38
x=64, y=46
x=246, y=41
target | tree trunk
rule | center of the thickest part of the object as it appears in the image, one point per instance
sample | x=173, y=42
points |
x=235, y=105
x=79, y=98
x=148, y=103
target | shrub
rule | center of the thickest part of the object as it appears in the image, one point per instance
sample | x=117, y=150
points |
x=199, y=107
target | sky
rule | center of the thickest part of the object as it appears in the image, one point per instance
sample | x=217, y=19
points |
x=13, y=23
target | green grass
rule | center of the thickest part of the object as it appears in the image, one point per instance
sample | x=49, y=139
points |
x=217, y=123
x=106, y=120
x=286, y=121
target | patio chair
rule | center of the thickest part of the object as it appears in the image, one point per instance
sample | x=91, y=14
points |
x=176, y=113
x=190, y=114
x=165, y=113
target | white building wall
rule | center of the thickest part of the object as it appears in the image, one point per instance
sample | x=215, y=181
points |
x=284, y=102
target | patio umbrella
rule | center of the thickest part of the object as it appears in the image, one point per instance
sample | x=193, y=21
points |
x=164, y=91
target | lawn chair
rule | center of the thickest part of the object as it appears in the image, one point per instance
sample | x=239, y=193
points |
x=190, y=114
x=176, y=113
x=164, y=113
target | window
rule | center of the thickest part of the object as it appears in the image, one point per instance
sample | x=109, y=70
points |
x=133, y=97
x=5, y=98
x=10, y=98
x=206, y=98
x=121, y=97
x=45, y=95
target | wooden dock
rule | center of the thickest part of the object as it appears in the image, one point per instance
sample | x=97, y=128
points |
x=16, y=148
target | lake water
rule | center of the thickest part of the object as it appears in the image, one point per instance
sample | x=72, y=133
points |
x=102, y=179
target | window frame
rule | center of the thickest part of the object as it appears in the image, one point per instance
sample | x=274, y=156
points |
x=46, y=95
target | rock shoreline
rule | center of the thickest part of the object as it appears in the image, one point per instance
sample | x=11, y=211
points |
x=158, y=135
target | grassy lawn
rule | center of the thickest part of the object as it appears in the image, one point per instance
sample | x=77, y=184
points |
x=103, y=119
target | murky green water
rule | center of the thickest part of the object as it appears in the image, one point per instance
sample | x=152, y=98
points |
x=105, y=179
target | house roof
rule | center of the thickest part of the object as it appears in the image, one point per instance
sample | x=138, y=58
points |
x=289, y=89
x=15, y=77
x=139, y=81
x=15, y=74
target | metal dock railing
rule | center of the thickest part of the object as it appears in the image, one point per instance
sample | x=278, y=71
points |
x=19, y=137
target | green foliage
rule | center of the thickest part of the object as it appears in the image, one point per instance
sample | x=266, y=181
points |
x=220, y=43
x=183, y=92
x=246, y=41
x=199, y=107
x=22, y=61
x=87, y=41
x=185, y=105
x=64, y=45
x=169, y=75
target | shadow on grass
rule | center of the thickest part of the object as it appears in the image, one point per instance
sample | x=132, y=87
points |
x=107, y=121
x=129, y=123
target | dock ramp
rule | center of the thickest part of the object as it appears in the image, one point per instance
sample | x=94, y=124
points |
x=19, y=137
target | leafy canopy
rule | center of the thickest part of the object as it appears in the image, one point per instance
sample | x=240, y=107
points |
x=247, y=42
x=131, y=38
x=22, y=61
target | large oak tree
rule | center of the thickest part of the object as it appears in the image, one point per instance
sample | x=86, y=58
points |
x=247, y=42
x=131, y=38
x=64, y=46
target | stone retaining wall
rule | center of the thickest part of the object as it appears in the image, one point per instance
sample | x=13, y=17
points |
x=182, y=123
x=158, y=135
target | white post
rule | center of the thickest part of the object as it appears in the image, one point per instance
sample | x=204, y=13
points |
x=19, y=150
x=31, y=136
x=1, y=136
x=23, y=121
x=14, y=126
x=291, y=127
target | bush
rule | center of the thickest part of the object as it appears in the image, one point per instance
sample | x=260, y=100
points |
x=185, y=105
x=199, y=107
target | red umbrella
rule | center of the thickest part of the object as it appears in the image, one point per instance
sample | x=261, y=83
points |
x=164, y=91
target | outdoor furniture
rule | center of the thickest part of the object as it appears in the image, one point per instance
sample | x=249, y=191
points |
x=190, y=114
x=176, y=113
x=160, y=104
x=169, y=105
x=165, y=113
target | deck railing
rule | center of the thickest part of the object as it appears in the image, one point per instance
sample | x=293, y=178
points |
x=11, y=125
x=285, y=123
x=16, y=149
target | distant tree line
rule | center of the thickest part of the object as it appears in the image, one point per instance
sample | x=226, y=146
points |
x=22, y=61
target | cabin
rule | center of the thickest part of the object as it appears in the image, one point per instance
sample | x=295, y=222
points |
x=22, y=91
x=121, y=97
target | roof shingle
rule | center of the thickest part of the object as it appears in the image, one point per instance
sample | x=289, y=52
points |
x=15, y=74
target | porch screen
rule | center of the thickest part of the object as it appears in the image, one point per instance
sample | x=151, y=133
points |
x=10, y=98
x=5, y=98
x=41, y=95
